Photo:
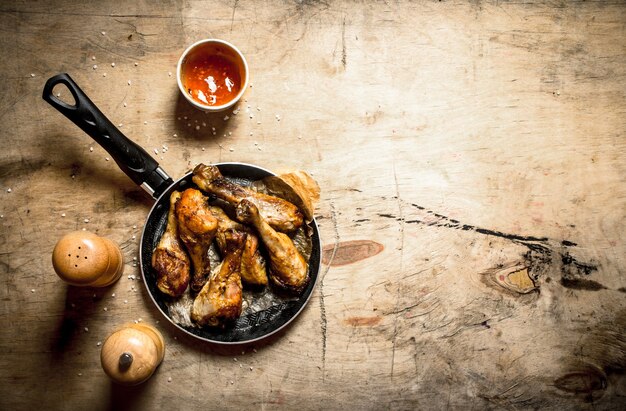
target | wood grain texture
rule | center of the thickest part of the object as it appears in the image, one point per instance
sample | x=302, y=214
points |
x=473, y=196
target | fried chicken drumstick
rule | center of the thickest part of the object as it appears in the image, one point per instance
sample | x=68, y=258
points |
x=280, y=214
x=197, y=228
x=169, y=259
x=220, y=300
x=288, y=269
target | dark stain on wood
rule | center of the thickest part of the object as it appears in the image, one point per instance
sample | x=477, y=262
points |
x=572, y=266
x=588, y=382
x=581, y=284
x=363, y=321
x=349, y=252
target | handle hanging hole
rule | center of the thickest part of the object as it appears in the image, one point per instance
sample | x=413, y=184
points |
x=61, y=92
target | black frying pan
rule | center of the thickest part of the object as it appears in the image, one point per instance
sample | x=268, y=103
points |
x=145, y=172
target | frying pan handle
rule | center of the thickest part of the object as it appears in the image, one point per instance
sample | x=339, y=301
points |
x=131, y=158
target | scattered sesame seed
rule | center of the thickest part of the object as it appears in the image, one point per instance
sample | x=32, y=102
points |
x=103, y=32
x=231, y=149
x=99, y=343
x=80, y=374
x=105, y=309
x=251, y=133
x=9, y=190
x=134, y=237
x=139, y=320
x=250, y=368
x=258, y=109
x=86, y=329
x=129, y=82
x=32, y=290
x=125, y=105
x=251, y=115
x=156, y=151
x=136, y=64
x=258, y=122
x=145, y=122
x=93, y=57
x=95, y=66
x=226, y=118
x=112, y=64
x=254, y=350
x=104, y=74
x=120, y=124
x=235, y=359
x=175, y=135
x=90, y=148
x=169, y=73
x=134, y=227
x=197, y=127
x=277, y=117
x=202, y=148
x=63, y=215
x=134, y=258
x=230, y=133
x=213, y=128
x=107, y=158
x=232, y=382
x=113, y=295
x=125, y=301
x=240, y=365
x=86, y=220
x=169, y=379
x=259, y=148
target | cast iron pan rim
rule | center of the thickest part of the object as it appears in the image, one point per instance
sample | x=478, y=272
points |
x=161, y=198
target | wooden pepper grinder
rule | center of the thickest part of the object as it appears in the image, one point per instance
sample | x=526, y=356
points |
x=130, y=355
x=85, y=259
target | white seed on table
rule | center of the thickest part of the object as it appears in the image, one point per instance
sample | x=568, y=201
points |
x=9, y=190
x=107, y=158
x=99, y=343
x=86, y=220
x=62, y=214
x=95, y=66
x=86, y=329
x=112, y=64
x=90, y=148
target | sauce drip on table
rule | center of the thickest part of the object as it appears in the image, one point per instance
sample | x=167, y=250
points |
x=211, y=80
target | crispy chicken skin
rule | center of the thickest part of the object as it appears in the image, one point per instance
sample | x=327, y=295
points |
x=197, y=228
x=252, y=262
x=169, y=259
x=280, y=214
x=220, y=300
x=288, y=269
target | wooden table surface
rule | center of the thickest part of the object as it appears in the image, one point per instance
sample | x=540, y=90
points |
x=471, y=157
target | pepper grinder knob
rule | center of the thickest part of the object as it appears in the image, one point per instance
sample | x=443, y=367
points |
x=130, y=355
x=82, y=258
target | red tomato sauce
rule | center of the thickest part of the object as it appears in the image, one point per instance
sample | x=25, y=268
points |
x=211, y=80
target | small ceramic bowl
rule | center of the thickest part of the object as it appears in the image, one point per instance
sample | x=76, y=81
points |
x=212, y=74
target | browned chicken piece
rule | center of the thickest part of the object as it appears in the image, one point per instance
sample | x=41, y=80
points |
x=169, y=259
x=288, y=269
x=280, y=214
x=252, y=262
x=220, y=300
x=197, y=228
